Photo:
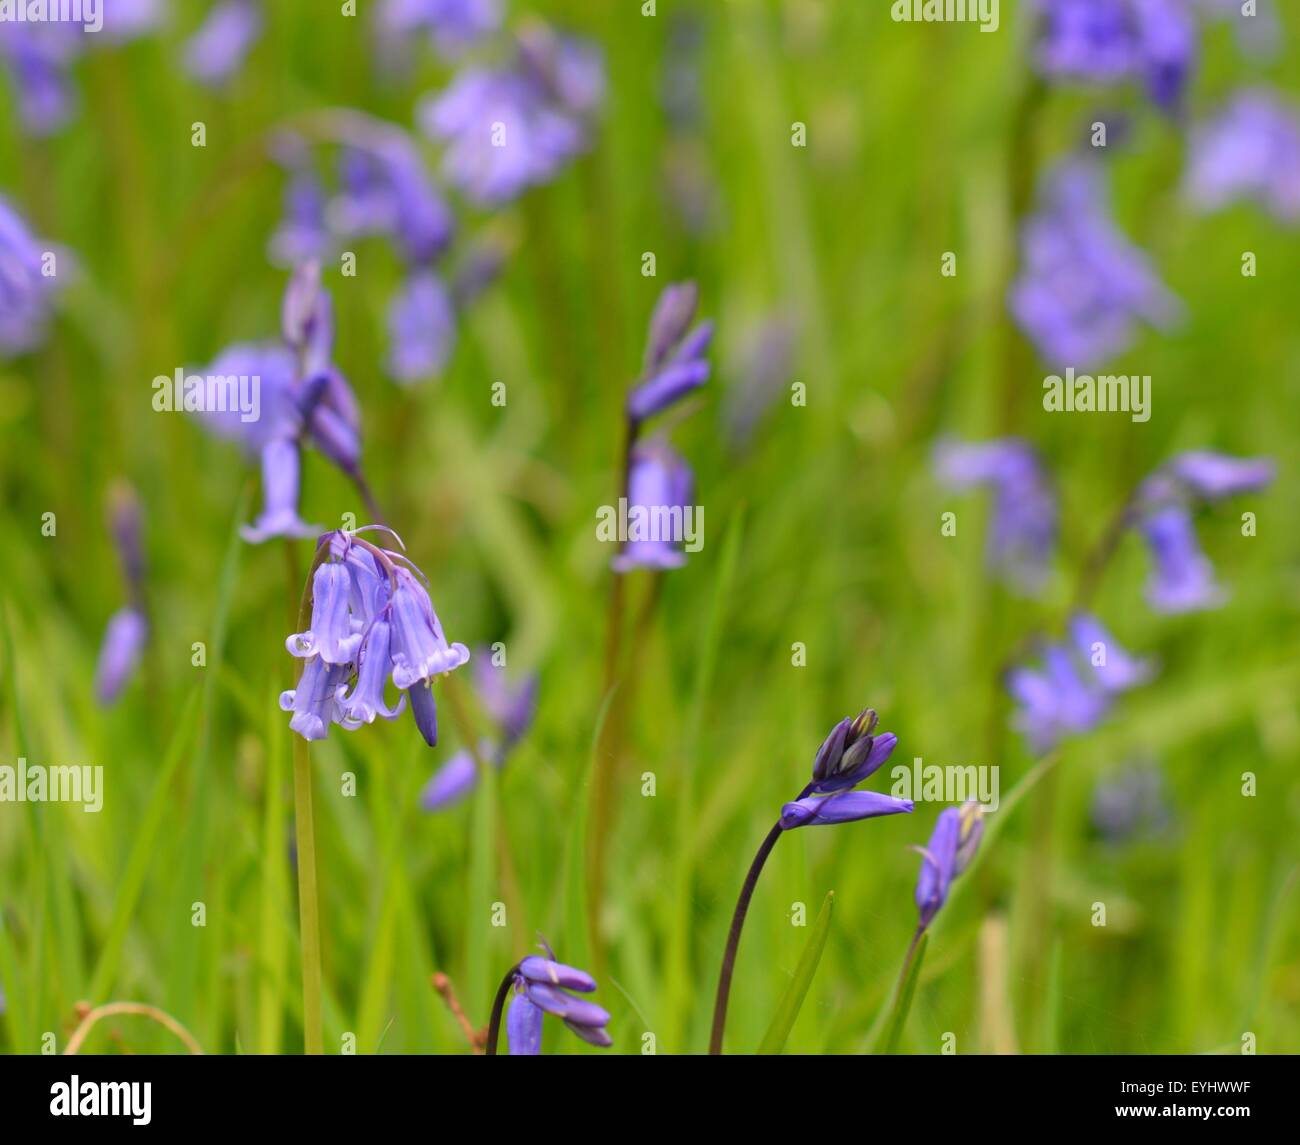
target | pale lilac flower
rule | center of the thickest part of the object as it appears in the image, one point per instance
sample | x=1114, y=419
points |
x=26, y=293
x=453, y=25
x=676, y=361
x=1056, y=701
x=952, y=845
x=1023, y=532
x=371, y=621
x=1115, y=670
x=511, y=708
x=659, y=492
x=1182, y=577
x=384, y=189
x=1250, y=150
x=1211, y=476
x=421, y=328
x=216, y=52
x=302, y=234
x=124, y=641
x=39, y=58
x=1083, y=289
x=1152, y=42
x=508, y=129
x=281, y=464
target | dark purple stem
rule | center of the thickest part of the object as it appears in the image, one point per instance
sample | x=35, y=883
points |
x=499, y=1004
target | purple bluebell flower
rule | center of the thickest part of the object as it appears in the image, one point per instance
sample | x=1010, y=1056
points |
x=850, y=754
x=124, y=641
x=1083, y=288
x=1024, y=524
x=216, y=52
x=26, y=293
x=676, y=361
x=1130, y=804
x=281, y=463
x=1056, y=701
x=508, y=129
x=371, y=621
x=953, y=844
x=1182, y=577
x=544, y=986
x=1105, y=42
x=659, y=492
x=453, y=25
x=421, y=328
x=1115, y=670
x=129, y=19
x=511, y=709
x=1250, y=150
x=303, y=233
x=39, y=59
x=273, y=365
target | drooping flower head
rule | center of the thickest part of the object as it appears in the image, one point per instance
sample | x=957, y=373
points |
x=26, y=291
x=1250, y=150
x=1182, y=578
x=545, y=986
x=217, y=50
x=953, y=844
x=371, y=622
x=510, y=128
x=1083, y=288
x=849, y=754
x=676, y=361
x=660, y=489
x=1105, y=42
x=510, y=707
x=1024, y=522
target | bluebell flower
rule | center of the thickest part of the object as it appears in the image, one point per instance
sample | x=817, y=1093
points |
x=1130, y=804
x=119, y=655
x=216, y=52
x=39, y=59
x=1182, y=577
x=453, y=25
x=1211, y=476
x=952, y=845
x=1056, y=701
x=850, y=754
x=544, y=986
x=510, y=708
x=1114, y=669
x=1249, y=150
x=1023, y=531
x=659, y=490
x=26, y=294
x=371, y=621
x=421, y=328
x=676, y=362
x=1152, y=42
x=303, y=233
x=511, y=128
x=1083, y=288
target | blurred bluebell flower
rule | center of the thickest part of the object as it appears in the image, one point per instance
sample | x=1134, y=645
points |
x=1056, y=701
x=453, y=25
x=758, y=373
x=124, y=640
x=216, y=52
x=544, y=986
x=1130, y=804
x=371, y=621
x=1083, y=288
x=508, y=129
x=849, y=754
x=1152, y=42
x=953, y=843
x=510, y=707
x=1114, y=669
x=421, y=328
x=676, y=361
x=38, y=59
x=281, y=466
x=1023, y=531
x=303, y=233
x=659, y=489
x=1250, y=150
x=26, y=292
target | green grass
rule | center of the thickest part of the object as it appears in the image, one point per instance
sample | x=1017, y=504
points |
x=825, y=532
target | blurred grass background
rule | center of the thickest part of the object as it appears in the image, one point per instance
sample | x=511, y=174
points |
x=832, y=509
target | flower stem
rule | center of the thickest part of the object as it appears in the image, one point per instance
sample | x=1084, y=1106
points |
x=308, y=904
x=498, y=1005
x=733, y=937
